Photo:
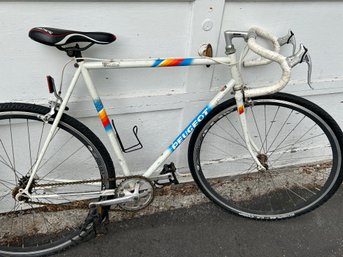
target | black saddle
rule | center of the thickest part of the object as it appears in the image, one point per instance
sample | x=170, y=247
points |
x=61, y=37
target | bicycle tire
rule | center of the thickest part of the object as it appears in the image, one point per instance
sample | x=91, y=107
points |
x=75, y=154
x=301, y=174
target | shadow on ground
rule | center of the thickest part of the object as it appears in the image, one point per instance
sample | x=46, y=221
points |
x=206, y=230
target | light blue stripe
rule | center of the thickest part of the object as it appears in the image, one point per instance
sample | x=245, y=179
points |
x=157, y=62
x=186, y=62
x=98, y=105
x=170, y=148
x=108, y=128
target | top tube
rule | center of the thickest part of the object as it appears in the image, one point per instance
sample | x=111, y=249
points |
x=155, y=62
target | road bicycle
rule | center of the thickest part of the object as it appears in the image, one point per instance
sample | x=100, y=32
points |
x=260, y=154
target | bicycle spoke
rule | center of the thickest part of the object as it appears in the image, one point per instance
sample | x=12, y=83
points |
x=290, y=197
x=297, y=149
x=6, y=164
x=288, y=135
x=48, y=223
x=265, y=126
x=237, y=142
x=314, y=159
x=71, y=155
x=11, y=165
x=13, y=158
x=29, y=141
x=219, y=149
x=299, y=196
x=55, y=153
x=3, y=196
x=39, y=145
x=270, y=127
x=283, y=125
x=2, y=182
x=289, y=146
x=258, y=130
x=227, y=140
x=235, y=128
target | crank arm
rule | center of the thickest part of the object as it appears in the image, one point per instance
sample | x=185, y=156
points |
x=124, y=199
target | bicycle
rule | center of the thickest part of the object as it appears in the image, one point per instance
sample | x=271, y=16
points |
x=261, y=154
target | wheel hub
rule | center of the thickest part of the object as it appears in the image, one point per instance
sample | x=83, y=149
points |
x=22, y=183
x=263, y=158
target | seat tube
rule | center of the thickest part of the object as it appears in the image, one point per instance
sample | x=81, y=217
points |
x=105, y=121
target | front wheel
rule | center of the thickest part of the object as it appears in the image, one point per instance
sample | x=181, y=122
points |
x=299, y=144
x=74, y=170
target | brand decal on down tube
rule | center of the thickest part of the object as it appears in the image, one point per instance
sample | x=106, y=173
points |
x=188, y=130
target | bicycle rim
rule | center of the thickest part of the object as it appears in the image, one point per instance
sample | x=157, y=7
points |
x=298, y=144
x=45, y=225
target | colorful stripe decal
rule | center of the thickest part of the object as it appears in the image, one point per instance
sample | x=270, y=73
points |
x=172, y=62
x=188, y=130
x=241, y=109
x=103, y=115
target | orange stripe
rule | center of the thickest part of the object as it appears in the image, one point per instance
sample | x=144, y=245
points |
x=171, y=62
x=104, y=118
x=102, y=114
x=166, y=63
x=241, y=109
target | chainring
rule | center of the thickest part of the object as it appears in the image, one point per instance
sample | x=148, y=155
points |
x=128, y=186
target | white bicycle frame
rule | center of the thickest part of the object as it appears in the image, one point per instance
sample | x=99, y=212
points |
x=235, y=84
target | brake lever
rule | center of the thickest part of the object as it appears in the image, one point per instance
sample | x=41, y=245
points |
x=288, y=39
x=302, y=56
x=307, y=59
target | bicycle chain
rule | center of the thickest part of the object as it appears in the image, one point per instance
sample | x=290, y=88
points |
x=79, y=182
x=76, y=183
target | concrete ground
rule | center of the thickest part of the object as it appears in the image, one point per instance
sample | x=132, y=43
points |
x=206, y=230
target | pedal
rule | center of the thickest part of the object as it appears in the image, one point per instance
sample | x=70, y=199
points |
x=169, y=170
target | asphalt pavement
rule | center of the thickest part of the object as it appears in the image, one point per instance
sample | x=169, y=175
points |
x=207, y=230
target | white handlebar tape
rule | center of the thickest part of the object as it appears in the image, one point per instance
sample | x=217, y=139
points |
x=271, y=56
x=266, y=35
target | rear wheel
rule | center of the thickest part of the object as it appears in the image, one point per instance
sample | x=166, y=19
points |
x=76, y=167
x=299, y=144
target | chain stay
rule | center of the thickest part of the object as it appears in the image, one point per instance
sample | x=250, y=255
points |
x=66, y=206
x=78, y=182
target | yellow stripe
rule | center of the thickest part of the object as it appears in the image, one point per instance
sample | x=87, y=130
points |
x=102, y=114
x=166, y=62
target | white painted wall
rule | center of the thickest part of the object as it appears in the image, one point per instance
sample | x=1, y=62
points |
x=162, y=101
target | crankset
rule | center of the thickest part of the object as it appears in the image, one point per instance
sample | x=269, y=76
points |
x=139, y=189
x=132, y=194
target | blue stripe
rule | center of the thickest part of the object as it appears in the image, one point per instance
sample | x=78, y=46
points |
x=186, y=62
x=98, y=105
x=108, y=127
x=170, y=148
x=157, y=62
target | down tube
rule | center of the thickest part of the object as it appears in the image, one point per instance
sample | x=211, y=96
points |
x=188, y=130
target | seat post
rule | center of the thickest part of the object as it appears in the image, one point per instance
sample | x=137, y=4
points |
x=75, y=52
